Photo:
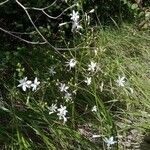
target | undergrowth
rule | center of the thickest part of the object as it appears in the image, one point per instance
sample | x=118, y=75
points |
x=83, y=97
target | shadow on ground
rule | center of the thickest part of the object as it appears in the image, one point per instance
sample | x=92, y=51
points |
x=145, y=145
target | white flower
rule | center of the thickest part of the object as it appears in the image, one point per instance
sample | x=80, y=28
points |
x=74, y=16
x=94, y=109
x=71, y=63
x=109, y=141
x=120, y=81
x=62, y=113
x=75, y=26
x=52, y=71
x=92, y=66
x=88, y=80
x=67, y=97
x=63, y=87
x=35, y=84
x=52, y=109
x=24, y=83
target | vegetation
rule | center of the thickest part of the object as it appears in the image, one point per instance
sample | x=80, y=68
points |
x=78, y=81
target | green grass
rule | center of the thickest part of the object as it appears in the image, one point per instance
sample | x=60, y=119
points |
x=25, y=121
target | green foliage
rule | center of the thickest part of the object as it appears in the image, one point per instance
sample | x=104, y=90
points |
x=116, y=62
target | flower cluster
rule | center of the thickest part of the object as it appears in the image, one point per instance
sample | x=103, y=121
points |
x=27, y=84
x=75, y=21
x=61, y=112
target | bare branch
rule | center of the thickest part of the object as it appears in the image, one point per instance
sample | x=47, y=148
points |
x=40, y=9
x=2, y=3
x=29, y=42
x=37, y=30
x=24, y=8
x=59, y=14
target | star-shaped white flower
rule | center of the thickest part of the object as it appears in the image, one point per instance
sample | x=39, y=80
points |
x=92, y=66
x=52, y=71
x=94, y=109
x=62, y=113
x=120, y=81
x=74, y=16
x=63, y=87
x=109, y=141
x=35, y=84
x=88, y=80
x=76, y=26
x=67, y=97
x=71, y=63
x=24, y=83
x=52, y=109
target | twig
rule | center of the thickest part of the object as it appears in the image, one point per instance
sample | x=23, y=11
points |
x=24, y=8
x=2, y=3
x=59, y=14
x=29, y=42
x=40, y=9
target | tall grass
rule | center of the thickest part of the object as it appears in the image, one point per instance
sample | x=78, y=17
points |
x=25, y=120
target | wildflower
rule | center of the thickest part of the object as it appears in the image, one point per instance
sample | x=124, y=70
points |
x=120, y=81
x=35, y=84
x=76, y=26
x=52, y=71
x=67, y=97
x=71, y=63
x=24, y=83
x=109, y=141
x=94, y=109
x=88, y=80
x=92, y=66
x=63, y=87
x=52, y=109
x=74, y=16
x=62, y=113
